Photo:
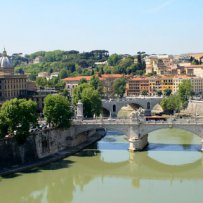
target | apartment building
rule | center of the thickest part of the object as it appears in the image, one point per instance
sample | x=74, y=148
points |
x=137, y=85
x=158, y=63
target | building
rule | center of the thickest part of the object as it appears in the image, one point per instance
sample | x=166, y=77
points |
x=72, y=82
x=11, y=85
x=106, y=79
x=137, y=85
x=154, y=85
x=166, y=82
x=197, y=85
x=38, y=59
x=40, y=95
x=161, y=64
x=194, y=70
x=54, y=74
x=43, y=75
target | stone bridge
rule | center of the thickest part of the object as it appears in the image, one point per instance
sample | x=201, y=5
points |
x=113, y=106
x=138, y=130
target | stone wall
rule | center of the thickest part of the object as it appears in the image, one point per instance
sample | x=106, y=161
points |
x=195, y=107
x=41, y=145
x=11, y=154
x=141, y=143
x=49, y=142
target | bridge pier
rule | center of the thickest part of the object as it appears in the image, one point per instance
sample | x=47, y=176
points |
x=138, y=143
x=147, y=112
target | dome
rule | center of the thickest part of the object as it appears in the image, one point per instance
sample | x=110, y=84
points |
x=5, y=61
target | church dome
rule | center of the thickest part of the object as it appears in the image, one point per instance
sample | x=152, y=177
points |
x=5, y=62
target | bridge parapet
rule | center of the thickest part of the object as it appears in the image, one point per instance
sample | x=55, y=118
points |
x=137, y=130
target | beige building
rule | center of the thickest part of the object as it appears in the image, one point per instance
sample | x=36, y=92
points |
x=158, y=63
x=11, y=85
x=197, y=85
x=194, y=70
x=43, y=75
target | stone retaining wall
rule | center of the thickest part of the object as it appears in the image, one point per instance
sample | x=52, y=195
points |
x=41, y=145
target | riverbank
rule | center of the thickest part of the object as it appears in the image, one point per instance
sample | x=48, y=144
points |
x=54, y=157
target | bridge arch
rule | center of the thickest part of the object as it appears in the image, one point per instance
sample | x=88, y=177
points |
x=122, y=112
x=115, y=105
x=157, y=109
x=188, y=128
x=105, y=112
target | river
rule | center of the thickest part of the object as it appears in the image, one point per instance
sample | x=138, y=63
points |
x=170, y=170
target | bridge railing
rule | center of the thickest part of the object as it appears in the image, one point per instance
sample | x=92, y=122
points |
x=128, y=121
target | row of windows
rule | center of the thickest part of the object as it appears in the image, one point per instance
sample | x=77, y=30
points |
x=14, y=80
x=20, y=86
x=71, y=86
x=11, y=94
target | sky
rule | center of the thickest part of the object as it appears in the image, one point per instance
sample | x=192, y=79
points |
x=119, y=26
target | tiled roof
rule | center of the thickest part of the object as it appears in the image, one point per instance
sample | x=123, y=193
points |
x=101, y=77
x=77, y=78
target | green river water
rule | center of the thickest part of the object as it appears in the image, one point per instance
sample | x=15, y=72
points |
x=170, y=170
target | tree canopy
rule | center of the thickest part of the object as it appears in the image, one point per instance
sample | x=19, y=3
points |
x=171, y=104
x=90, y=98
x=57, y=110
x=185, y=92
x=119, y=86
x=17, y=116
x=167, y=92
x=114, y=59
x=96, y=83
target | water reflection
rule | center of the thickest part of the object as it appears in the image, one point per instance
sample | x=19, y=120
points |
x=107, y=172
x=175, y=158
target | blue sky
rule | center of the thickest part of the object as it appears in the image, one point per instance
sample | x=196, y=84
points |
x=120, y=26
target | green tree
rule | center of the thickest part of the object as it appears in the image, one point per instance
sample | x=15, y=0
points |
x=90, y=98
x=63, y=73
x=83, y=80
x=159, y=93
x=91, y=102
x=126, y=62
x=185, y=92
x=33, y=76
x=96, y=83
x=167, y=92
x=57, y=110
x=19, y=115
x=144, y=93
x=114, y=59
x=119, y=86
x=3, y=126
x=77, y=91
x=41, y=82
x=140, y=60
x=60, y=85
x=171, y=104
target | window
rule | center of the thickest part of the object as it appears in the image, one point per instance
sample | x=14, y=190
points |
x=114, y=108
